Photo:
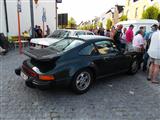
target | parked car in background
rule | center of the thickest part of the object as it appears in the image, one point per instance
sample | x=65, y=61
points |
x=76, y=62
x=56, y=36
x=146, y=23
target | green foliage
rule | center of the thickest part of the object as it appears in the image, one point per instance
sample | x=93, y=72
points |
x=71, y=23
x=109, y=24
x=158, y=18
x=100, y=24
x=123, y=18
x=151, y=13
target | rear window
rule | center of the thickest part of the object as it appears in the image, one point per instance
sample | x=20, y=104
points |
x=66, y=44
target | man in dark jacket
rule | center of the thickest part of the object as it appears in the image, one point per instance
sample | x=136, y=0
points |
x=117, y=36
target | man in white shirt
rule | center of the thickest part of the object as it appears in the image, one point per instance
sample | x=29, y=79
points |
x=138, y=42
x=154, y=53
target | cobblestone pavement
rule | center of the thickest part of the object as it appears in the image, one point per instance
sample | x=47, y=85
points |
x=120, y=97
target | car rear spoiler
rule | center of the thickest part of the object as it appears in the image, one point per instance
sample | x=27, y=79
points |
x=40, y=57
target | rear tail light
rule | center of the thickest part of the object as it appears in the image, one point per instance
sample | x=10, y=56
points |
x=46, y=77
x=29, y=71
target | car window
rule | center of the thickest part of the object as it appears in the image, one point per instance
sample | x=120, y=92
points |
x=66, y=44
x=80, y=33
x=59, y=34
x=89, y=33
x=88, y=50
x=105, y=47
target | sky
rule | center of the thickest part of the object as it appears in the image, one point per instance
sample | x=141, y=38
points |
x=82, y=10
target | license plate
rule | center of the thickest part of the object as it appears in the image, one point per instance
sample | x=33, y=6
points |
x=24, y=76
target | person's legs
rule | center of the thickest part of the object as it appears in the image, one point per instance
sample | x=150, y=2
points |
x=145, y=62
x=151, y=68
x=155, y=71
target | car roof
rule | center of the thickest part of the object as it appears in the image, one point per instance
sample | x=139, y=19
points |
x=74, y=30
x=86, y=38
x=143, y=21
x=93, y=37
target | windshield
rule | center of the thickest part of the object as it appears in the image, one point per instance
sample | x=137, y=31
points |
x=66, y=44
x=59, y=34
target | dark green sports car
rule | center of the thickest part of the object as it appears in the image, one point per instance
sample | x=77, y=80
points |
x=76, y=62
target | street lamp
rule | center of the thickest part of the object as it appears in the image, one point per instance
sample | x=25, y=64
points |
x=19, y=9
x=32, y=17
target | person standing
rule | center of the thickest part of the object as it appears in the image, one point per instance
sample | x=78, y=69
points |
x=101, y=31
x=143, y=29
x=112, y=32
x=129, y=37
x=138, y=42
x=47, y=31
x=117, y=36
x=123, y=39
x=39, y=32
x=107, y=33
x=147, y=39
x=154, y=53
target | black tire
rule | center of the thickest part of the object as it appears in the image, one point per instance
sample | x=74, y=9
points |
x=85, y=82
x=134, y=67
x=29, y=84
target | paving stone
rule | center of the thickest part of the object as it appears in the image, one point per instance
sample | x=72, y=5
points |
x=121, y=97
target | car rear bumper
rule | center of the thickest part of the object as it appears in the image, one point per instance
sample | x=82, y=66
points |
x=41, y=83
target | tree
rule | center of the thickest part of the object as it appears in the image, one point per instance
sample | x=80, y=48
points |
x=100, y=24
x=109, y=24
x=151, y=13
x=71, y=23
x=158, y=18
x=123, y=18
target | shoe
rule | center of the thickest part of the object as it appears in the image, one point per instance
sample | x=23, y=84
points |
x=148, y=78
x=155, y=82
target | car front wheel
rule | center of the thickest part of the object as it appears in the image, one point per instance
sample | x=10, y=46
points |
x=82, y=81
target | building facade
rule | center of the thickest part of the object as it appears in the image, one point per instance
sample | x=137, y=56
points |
x=25, y=19
x=113, y=14
x=134, y=8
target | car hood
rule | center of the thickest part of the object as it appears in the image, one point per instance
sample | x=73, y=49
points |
x=45, y=54
x=44, y=41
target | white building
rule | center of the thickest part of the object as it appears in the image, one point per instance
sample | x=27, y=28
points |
x=25, y=19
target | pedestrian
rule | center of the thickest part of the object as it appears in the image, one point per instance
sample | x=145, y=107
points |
x=47, y=31
x=147, y=39
x=117, y=36
x=138, y=42
x=142, y=29
x=112, y=32
x=129, y=37
x=154, y=53
x=36, y=31
x=123, y=38
x=101, y=31
x=39, y=32
x=107, y=34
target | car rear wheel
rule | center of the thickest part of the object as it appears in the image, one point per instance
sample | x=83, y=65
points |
x=134, y=67
x=82, y=81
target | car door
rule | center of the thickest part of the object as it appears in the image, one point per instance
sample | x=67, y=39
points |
x=110, y=59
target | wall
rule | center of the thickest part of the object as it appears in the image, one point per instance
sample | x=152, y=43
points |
x=2, y=18
x=140, y=5
x=49, y=5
